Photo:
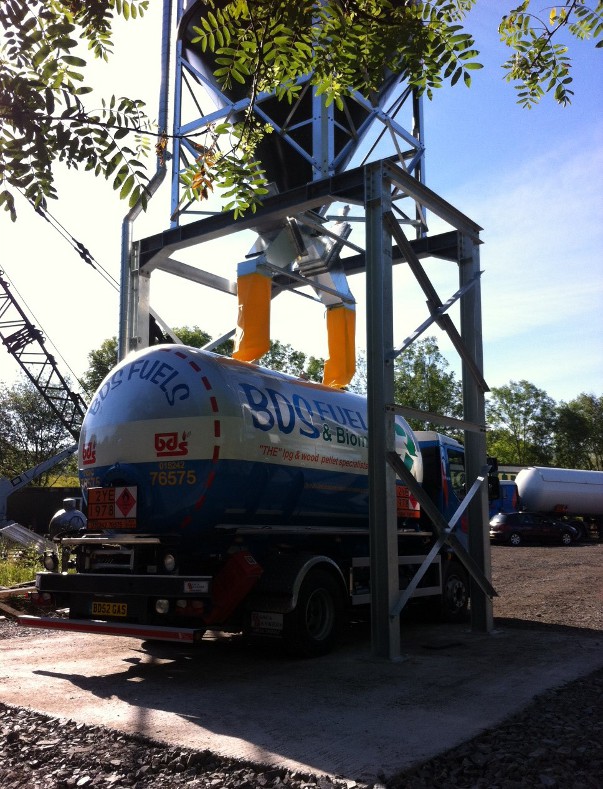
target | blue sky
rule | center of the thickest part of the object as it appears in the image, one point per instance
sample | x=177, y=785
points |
x=530, y=178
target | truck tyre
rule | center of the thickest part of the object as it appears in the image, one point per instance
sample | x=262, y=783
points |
x=515, y=539
x=312, y=627
x=455, y=592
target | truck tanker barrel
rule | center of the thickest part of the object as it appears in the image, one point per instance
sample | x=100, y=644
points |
x=208, y=440
x=562, y=490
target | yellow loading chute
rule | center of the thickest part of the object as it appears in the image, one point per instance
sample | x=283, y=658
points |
x=341, y=335
x=252, y=338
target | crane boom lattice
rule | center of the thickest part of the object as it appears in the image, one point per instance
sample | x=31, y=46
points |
x=27, y=345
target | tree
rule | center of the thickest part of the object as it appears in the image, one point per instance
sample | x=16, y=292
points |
x=43, y=116
x=197, y=338
x=101, y=361
x=279, y=357
x=538, y=64
x=287, y=360
x=522, y=421
x=579, y=434
x=30, y=432
x=422, y=381
x=345, y=45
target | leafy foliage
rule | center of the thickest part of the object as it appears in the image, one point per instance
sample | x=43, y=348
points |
x=101, y=361
x=579, y=434
x=340, y=47
x=43, y=118
x=17, y=567
x=538, y=64
x=230, y=166
x=522, y=421
x=346, y=46
x=422, y=380
x=527, y=427
x=284, y=358
x=197, y=338
x=30, y=432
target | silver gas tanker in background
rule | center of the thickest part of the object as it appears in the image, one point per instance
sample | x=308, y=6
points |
x=562, y=490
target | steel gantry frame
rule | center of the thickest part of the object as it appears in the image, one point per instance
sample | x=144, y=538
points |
x=381, y=179
x=317, y=145
x=376, y=187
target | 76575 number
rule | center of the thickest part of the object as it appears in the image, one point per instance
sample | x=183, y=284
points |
x=181, y=477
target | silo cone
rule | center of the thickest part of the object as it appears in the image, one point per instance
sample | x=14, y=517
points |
x=287, y=164
x=252, y=339
x=341, y=331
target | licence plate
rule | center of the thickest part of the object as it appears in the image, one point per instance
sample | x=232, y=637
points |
x=109, y=609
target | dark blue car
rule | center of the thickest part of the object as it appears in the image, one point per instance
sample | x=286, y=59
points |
x=515, y=528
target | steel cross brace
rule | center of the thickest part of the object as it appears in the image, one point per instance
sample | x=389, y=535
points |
x=444, y=529
x=433, y=300
x=436, y=315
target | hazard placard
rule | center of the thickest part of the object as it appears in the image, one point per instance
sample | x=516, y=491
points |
x=112, y=508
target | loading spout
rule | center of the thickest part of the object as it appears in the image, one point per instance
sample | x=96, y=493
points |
x=311, y=254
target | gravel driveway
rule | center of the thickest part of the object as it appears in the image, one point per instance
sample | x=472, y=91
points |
x=556, y=741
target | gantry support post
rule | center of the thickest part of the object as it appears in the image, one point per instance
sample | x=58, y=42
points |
x=475, y=442
x=385, y=630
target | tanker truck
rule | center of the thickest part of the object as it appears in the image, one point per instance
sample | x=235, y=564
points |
x=564, y=493
x=224, y=496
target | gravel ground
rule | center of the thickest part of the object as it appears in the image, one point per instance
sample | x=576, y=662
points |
x=557, y=741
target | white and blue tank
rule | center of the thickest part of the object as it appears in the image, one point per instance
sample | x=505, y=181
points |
x=210, y=441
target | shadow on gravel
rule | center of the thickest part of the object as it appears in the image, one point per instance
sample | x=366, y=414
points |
x=501, y=622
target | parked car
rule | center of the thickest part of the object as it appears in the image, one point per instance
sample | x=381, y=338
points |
x=518, y=527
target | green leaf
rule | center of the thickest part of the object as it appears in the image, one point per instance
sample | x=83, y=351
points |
x=456, y=76
x=71, y=60
x=42, y=53
x=126, y=188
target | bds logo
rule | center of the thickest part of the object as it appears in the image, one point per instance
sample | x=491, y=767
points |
x=89, y=453
x=170, y=444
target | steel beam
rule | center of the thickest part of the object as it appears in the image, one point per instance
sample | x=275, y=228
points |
x=380, y=377
x=475, y=443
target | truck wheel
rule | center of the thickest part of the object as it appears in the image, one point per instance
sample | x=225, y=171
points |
x=312, y=627
x=455, y=592
x=515, y=539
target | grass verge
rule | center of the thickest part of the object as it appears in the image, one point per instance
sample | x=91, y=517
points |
x=17, y=565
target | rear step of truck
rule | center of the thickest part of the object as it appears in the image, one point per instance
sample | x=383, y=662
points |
x=181, y=634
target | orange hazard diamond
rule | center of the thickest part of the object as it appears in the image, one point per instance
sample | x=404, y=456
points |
x=125, y=502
